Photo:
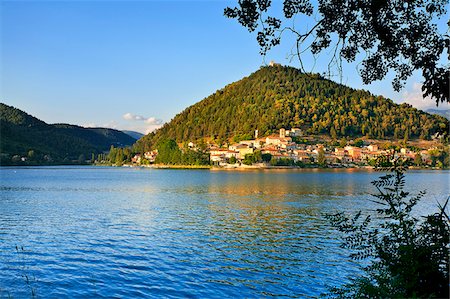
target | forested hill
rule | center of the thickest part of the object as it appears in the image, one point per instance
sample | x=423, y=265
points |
x=21, y=133
x=279, y=96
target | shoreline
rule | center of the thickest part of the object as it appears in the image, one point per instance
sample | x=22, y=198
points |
x=258, y=167
x=224, y=168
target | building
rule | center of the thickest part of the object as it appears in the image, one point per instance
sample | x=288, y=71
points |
x=295, y=132
x=136, y=159
x=273, y=63
x=275, y=140
x=302, y=155
x=373, y=147
x=151, y=156
x=243, y=150
x=270, y=150
x=221, y=155
x=289, y=145
x=404, y=151
x=354, y=152
x=250, y=143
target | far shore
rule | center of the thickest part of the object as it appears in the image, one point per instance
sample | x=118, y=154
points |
x=243, y=167
x=236, y=167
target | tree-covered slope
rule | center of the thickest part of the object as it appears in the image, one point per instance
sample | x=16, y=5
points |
x=278, y=96
x=21, y=132
x=134, y=134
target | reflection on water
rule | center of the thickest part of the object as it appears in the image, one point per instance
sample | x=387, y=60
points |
x=108, y=232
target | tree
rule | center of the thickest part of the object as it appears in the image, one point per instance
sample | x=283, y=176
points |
x=168, y=152
x=257, y=156
x=406, y=136
x=401, y=36
x=321, y=160
x=233, y=160
x=410, y=256
x=31, y=154
x=359, y=142
x=81, y=159
x=112, y=154
x=266, y=157
x=418, y=159
x=249, y=159
x=119, y=157
x=333, y=133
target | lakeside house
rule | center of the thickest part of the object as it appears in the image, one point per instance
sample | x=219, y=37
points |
x=282, y=146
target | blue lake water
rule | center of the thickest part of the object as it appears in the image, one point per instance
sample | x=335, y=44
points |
x=128, y=232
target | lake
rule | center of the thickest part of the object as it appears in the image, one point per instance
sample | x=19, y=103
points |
x=83, y=232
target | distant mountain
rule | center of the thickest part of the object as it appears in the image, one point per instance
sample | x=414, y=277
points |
x=444, y=112
x=21, y=133
x=134, y=134
x=283, y=97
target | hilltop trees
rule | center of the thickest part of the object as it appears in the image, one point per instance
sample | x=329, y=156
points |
x=399, y=36
x=275, y=97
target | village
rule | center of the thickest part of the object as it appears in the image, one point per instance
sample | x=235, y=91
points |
x=283, y=150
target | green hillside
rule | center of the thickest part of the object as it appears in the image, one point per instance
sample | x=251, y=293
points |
x=275, y=97
x=21, y=133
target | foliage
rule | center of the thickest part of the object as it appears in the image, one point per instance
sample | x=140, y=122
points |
x=321, y=160
x=169, y=153
x=358, y=143
x=410, y=257
x=266, y=157
x=117, y=156
x=396, y=35
x=418, y=159
x=275, y=97
x=439, y=157
x=249, y=159
x=282, y=162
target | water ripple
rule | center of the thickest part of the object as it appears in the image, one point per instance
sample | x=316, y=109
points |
x=112, y=232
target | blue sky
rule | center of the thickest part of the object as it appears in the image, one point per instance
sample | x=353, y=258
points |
x=133, y=64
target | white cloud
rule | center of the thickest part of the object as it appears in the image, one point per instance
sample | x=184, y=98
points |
x=130, y=116
x=148, y=120
x=89, y=125
x=414, y=97
x=111, y=124
x=153, y=121
x=151, y=128
x=141, y=123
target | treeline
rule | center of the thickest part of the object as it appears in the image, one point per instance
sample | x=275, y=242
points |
x=275, y=97
x=170, y=154
x=116, y=156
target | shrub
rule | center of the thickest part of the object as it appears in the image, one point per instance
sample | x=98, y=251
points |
x=410, y=256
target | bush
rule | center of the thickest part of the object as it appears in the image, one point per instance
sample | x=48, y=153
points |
x=410, y=256
x=249, y=159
